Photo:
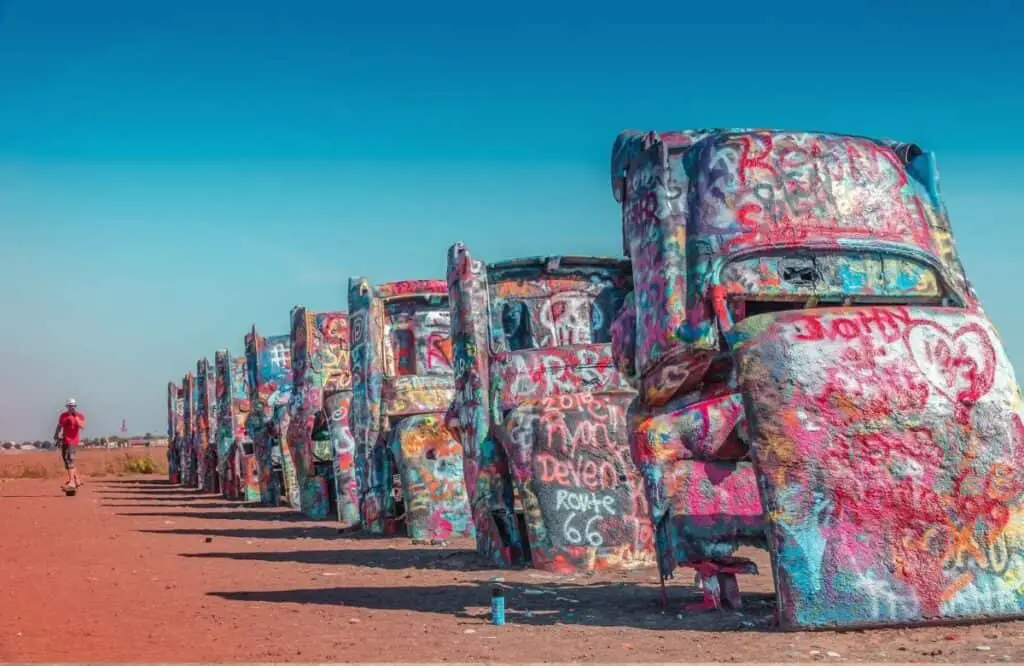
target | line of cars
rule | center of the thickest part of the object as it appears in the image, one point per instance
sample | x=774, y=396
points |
x=787, y=356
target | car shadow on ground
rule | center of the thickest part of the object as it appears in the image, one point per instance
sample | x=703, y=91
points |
x=167, y=495
x=298, y=532
x=442, y=558
x=195, y=505
x=198, y=497
x=260, y=513
x=598, y=604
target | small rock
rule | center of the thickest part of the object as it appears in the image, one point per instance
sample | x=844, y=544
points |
x=208, y=539
x=469, y=631
x=815, y=652
x=830, y=653
x=353, y=620
x=983, y=648
x=248, y=543
x=497, y=579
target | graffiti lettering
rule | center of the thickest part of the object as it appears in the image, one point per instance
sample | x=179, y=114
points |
x=584, y=502
x=886, y=323
x=794, y=184
x=439, y=351
x=581, y=472
x=589, y=535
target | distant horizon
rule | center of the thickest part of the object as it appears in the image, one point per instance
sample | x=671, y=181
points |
x=153, y=437
x=170, y=179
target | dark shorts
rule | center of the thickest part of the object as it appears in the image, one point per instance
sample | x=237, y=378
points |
x=68, y=454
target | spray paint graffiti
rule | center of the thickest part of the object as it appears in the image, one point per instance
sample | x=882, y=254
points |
x=206, y=425
x=541, y=412
x=224, y=427
x=175, y=416
x=268, y=364
x=407, y=461
x=319, y=435
x=236, y=474
x=188, y=457
x=907, y=425
x=801, y=331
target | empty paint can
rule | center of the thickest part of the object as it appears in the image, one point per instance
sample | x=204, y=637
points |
x=497, y=606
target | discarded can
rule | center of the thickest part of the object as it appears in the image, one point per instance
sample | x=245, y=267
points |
x=497, y=606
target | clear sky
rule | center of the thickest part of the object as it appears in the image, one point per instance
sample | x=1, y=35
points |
x=174, y=172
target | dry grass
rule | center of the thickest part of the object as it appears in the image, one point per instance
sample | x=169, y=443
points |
x=93, y=463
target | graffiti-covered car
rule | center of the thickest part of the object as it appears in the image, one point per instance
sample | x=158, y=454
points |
x=236, y=464
x=189, y=435
x=816, y=377
x=206, y=425
x=319, y=436
x=541, y=411
x=408, y=463
x=269, y=374
x=175, y=417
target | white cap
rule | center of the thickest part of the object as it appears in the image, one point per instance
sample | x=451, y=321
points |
x=71, y=403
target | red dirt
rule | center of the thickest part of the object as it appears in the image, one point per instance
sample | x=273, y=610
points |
x=137, y=570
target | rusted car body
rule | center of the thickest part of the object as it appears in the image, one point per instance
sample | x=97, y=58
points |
x=541, y=412
x=816, y=377
x=269, y=371
x=408, y=463
x=324, y=460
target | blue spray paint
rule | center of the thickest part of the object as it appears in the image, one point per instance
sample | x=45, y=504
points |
x=497, y=606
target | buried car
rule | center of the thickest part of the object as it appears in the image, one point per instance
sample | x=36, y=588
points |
x=319, y=436
x=408, y=463
x=206, y=425
x=541, y=412
x=269, y=378
x=175, y=418
x=189, y=435
x=816, y=377
x=236, y=463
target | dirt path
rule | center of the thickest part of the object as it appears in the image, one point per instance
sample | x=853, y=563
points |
x=137, y=570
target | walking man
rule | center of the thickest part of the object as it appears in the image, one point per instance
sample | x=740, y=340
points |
x=69, y=428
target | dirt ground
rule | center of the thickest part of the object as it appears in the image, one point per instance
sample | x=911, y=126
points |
x=138, y=570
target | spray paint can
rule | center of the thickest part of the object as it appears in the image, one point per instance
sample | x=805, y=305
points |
x=497, y=606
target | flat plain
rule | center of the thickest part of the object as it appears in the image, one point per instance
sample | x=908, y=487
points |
x=135, y=569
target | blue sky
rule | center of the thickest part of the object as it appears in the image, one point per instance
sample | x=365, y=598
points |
x=171, y=173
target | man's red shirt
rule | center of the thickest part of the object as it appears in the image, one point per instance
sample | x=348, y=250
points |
x=70, y=425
